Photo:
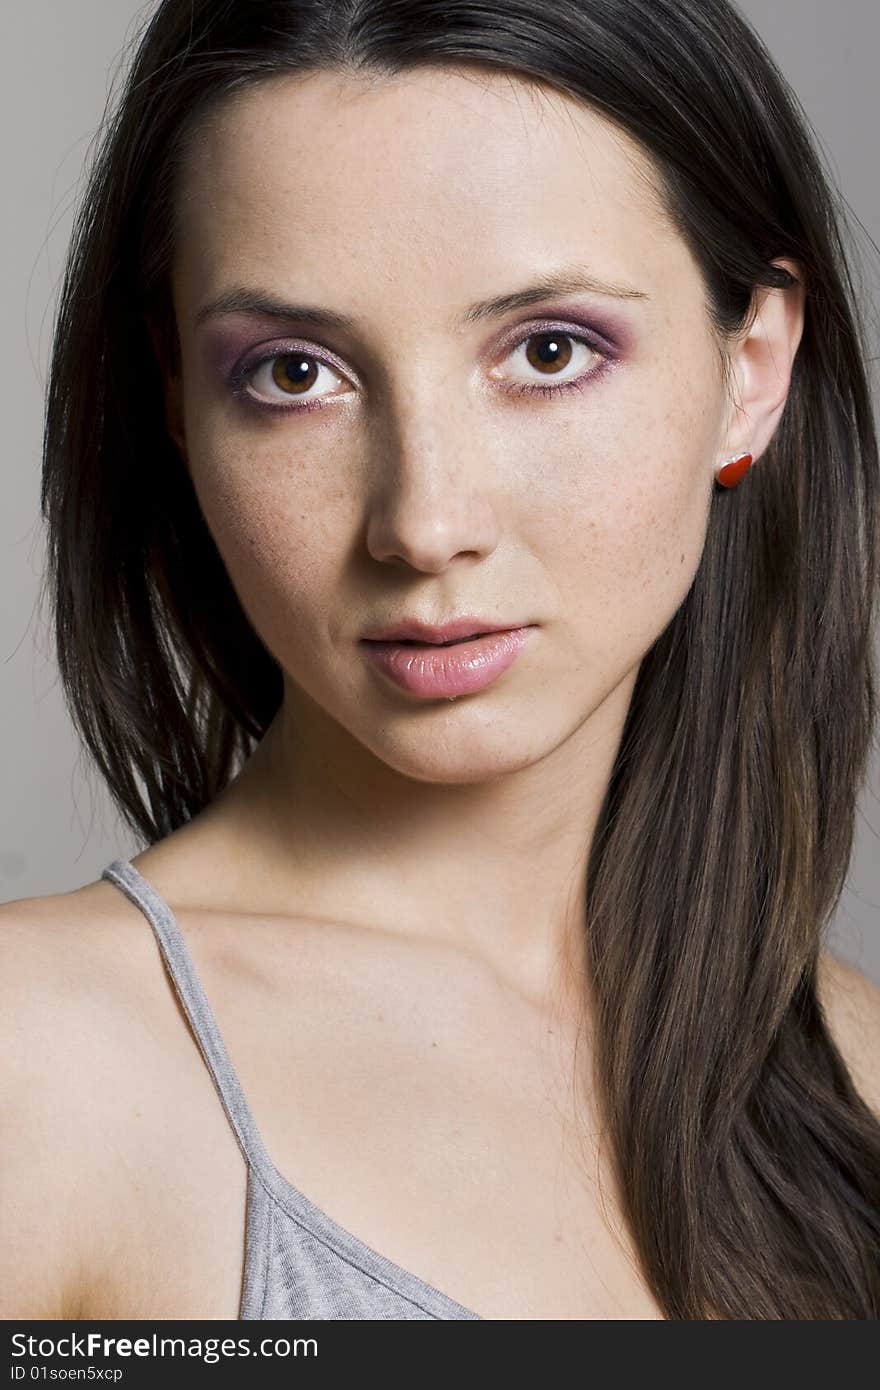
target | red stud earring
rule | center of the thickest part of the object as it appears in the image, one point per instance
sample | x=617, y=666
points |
x=735, y=470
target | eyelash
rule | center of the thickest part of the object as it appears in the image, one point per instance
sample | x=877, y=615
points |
x=242, y=377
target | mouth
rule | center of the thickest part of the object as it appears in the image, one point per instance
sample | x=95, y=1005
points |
x=423, y=667
x=414, y=632
x=455, y=642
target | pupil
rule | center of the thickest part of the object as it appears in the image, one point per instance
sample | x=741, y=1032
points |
x=548, y=350
x=292, y=372
x=547, y=353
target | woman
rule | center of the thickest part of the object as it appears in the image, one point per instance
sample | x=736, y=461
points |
x=385, y=327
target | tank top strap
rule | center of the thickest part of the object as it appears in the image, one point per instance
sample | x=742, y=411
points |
x=188, y=987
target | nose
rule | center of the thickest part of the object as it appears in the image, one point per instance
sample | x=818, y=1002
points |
x=432, y=505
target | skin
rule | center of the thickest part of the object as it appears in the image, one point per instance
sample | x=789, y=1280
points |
x=385, y=907
x=423, y=487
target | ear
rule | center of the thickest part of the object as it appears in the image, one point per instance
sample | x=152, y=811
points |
x=172, y=381
x=761, y=361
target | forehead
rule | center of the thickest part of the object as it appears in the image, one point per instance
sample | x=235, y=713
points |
x=438, y=179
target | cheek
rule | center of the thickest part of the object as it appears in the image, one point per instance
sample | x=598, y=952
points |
x=279, y=526
x=624, y=523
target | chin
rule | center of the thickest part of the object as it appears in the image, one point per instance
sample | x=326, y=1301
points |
x=462, y=756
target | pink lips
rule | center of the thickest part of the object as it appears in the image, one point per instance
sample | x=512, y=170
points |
x=435, y=672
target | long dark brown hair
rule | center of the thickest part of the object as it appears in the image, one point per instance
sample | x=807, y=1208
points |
x=749, y=1164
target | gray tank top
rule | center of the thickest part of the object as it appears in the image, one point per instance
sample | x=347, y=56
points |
x=299, y=1262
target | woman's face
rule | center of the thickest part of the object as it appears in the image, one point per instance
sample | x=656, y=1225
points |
x=548, y=464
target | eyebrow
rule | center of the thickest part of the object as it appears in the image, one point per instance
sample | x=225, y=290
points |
x=570, y=280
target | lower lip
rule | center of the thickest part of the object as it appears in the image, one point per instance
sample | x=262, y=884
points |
x=443, y=672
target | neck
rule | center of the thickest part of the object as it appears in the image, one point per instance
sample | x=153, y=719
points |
x=496, y=866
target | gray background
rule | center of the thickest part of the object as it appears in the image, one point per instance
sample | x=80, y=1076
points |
x=57, y=826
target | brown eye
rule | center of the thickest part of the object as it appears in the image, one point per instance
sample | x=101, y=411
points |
x=548, y=350
x=289, y=377
x=294, y=372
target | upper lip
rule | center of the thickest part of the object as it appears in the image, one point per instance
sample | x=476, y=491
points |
x=416, y=631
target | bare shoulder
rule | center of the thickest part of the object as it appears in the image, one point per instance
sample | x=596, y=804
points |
x=851, y=1003
x=59, y=955
x=63, y=995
